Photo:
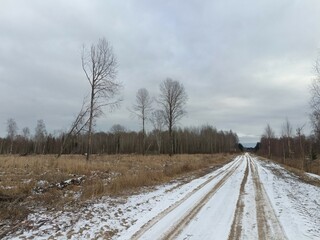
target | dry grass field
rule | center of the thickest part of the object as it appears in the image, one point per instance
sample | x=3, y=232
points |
x=43, y=181
x=299, y=165
x=300, y=168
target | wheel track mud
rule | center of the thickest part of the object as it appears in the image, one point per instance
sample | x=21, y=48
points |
x=178, y=226
x=269, y=226
x=236, y=227
x=186, y=218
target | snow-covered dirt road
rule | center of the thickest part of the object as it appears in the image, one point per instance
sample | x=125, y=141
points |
x=245, y=199
x=231, y=204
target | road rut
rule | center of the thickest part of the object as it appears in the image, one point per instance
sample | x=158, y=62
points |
x=226, y=199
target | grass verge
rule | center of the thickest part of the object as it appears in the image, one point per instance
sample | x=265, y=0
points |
x=27, y=183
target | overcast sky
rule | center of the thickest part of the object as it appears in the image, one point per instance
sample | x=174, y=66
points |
x=244, y=64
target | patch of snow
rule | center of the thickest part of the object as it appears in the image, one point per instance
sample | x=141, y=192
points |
x=312, y=175
x=296, y=203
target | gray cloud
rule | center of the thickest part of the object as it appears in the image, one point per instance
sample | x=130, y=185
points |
x=243, y=63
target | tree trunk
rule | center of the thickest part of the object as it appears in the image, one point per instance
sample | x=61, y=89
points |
x=64, y=140
x=90, y=123
x=284, y=152
x=269, y=149
x=11, y=146
x=143, y=137
x=171, y=141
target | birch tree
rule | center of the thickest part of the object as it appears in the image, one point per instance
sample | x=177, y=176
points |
x=287, y=133
x=172, y=100
x=40, y=137
x=315, y=101
x=100, y=67
x=12, y=129
x=269, y=134
x=158, y=122
x=142, y=109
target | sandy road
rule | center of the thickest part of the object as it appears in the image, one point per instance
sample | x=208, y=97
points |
x=231, y=204
x=267, y=224
x=168, y=223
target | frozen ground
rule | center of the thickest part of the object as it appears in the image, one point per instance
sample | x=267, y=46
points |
x=245, y=199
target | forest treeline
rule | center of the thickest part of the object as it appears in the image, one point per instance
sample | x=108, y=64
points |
x=118, y=140
x=291, y=148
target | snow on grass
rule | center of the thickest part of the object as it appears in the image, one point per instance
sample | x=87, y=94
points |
x=314, y=176
x=109, y=217
x=296, y=203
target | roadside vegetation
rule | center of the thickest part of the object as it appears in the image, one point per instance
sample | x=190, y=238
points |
x=294, y=150
x=27, y=183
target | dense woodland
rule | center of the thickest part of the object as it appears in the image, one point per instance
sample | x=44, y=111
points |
x=118, y=140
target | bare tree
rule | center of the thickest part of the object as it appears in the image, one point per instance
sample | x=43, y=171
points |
x=315, y=100
x=269, y=134
x=26, y=133
x=99, y=65
x=40, y=136
x=79, y=125
x=172, y=100
x=287, y=133
x=142, y=109
x=26, y=137
x=158, y=122
x=12, y=129
x=301, y=146
x=118, y=130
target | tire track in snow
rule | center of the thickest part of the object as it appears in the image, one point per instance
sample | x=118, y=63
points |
x=181, y=222
x=236, y=227
x=269, y=226
x=307, y=210
x=176, y=228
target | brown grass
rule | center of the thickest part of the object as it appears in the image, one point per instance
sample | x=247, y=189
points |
x=306, y=165
x=104, y=175
x=299, y=168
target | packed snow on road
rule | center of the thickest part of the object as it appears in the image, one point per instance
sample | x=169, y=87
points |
x=248, y=198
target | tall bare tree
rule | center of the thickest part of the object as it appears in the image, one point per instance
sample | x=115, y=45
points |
x=26, y=133
x=315, y=101
x=269, y=134
x=301, y=137
x=158, y=122
x=287, y=134
x=142, y=109
x=118, y=130
x=172, y=100
x=40, y=137
x=12, y=129
x=26, y=136
x=99, y=65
